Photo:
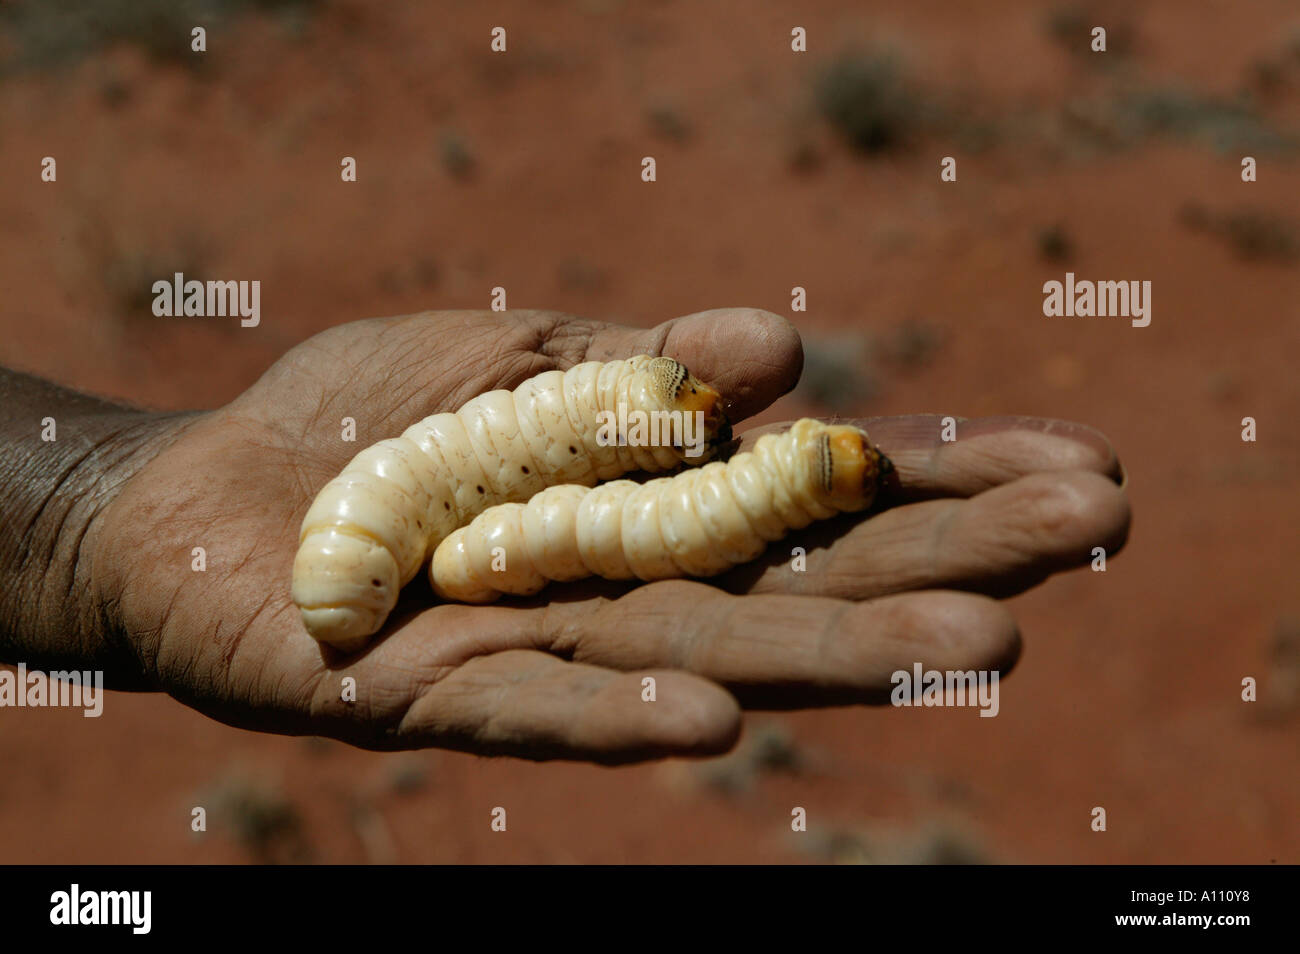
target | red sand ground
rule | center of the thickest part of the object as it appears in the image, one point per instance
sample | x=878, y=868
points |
x=1127, y=695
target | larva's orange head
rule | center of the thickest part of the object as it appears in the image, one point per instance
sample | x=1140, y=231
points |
x=682, y=391
x=851, y=470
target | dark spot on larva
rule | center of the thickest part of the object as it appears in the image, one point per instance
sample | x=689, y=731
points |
x=376, y=583
x=479, y=488
x=524, y=469
x=419, y=525
x=445, y=505
x=572, y=449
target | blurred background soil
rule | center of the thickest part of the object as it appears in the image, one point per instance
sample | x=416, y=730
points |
x=775, y=169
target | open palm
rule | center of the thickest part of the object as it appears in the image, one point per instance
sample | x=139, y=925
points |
x=561, y=674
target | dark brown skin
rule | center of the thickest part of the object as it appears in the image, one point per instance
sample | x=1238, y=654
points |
x=95, y=555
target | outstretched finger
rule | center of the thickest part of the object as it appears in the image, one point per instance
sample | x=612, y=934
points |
x=782, y=650
x=751, y=356
x=535, y=705
x=999, y=542
x=986, y=451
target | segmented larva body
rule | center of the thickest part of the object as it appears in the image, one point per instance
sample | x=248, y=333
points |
x=697, y=523
x=371, y=528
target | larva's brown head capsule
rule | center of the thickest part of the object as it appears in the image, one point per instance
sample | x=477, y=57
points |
x=852, y=469
x=682, y=391
x=694, y=396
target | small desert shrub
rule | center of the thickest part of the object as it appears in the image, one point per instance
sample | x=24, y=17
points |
x=456, y=155
x=869, y=100
x=57, y=33
x=1054, y=244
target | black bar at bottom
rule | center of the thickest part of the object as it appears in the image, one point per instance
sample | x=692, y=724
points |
x=327, y=904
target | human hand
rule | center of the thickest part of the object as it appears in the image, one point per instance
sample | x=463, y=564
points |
x=560, y=675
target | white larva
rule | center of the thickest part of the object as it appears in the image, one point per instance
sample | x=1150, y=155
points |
x=371, y=528
x=698, y=523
